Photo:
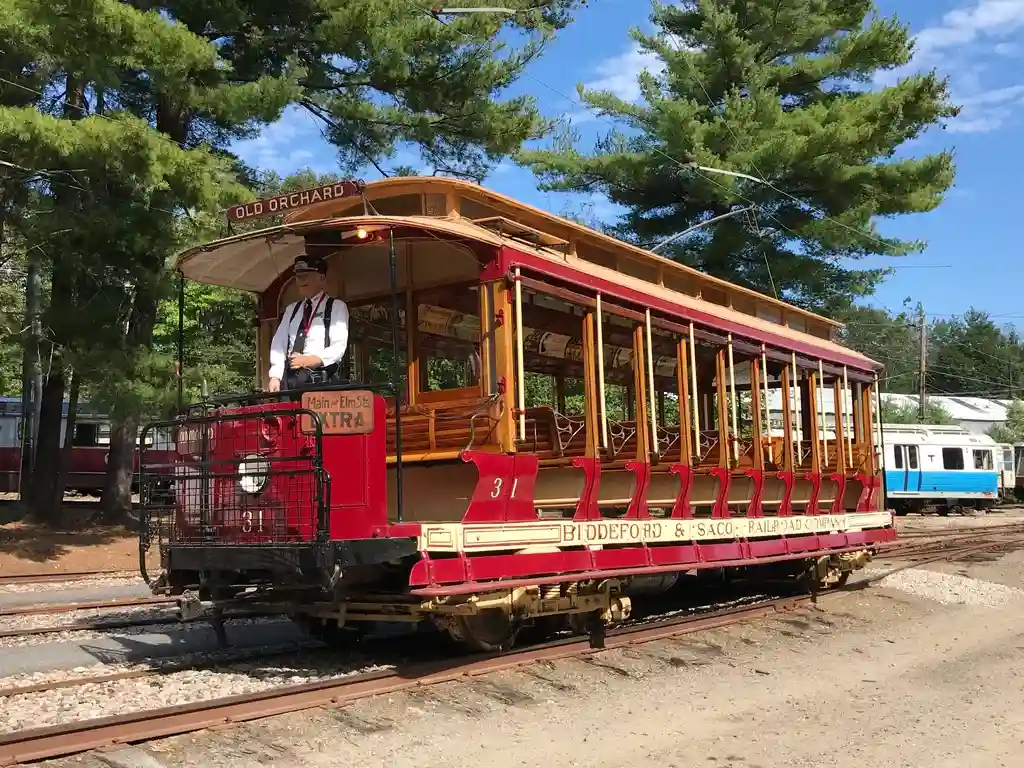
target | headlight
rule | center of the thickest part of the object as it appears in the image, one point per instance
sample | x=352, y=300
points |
x=253, y=473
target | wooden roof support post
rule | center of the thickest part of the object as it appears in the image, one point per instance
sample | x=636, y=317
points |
x=848, y=417
x=767, y=406
x=643, y=446
x=876, y=424
x=734, y=405
x=683, y=387
x=590, y=395
x=757, y=427
x=787, y=423
x=655, y=448
x=819, y=433
x=816, y=426
x=840, y=399
x=601, y=402
x=412, y=359
x=695, y=412
x=797, y=405
x=722, y=411
x=505, y=367
x=520, y=365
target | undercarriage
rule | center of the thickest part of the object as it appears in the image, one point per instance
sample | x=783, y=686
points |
x=342, y=590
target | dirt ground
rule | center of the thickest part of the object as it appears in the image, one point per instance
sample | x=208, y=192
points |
x=921, y=670
x=31, y=549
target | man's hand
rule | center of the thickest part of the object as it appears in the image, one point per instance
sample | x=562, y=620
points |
x=274, y=385
x=304, y=361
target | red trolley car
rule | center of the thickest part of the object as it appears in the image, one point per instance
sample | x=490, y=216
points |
x=540, y=421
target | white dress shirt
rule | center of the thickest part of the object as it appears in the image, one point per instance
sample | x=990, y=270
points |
x=289, y=326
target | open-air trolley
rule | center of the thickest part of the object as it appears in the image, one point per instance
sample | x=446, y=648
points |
x=578, y=420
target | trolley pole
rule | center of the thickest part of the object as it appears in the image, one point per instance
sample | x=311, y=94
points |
x=922, y=373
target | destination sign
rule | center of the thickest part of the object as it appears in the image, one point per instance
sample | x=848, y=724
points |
x=341, y=413
x=272, y=206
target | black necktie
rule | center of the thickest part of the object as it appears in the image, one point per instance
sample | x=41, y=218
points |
x=300, y=338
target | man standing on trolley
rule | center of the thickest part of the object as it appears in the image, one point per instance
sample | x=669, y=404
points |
x=313, y=334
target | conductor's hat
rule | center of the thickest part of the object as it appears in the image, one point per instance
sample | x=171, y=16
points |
x=307, y=263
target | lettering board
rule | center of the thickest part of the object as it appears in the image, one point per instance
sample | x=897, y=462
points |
x=272, y=206
x=341, y=413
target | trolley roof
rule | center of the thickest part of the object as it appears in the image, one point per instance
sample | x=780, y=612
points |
x=462, y=211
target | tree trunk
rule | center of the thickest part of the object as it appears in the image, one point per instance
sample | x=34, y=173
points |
x=47, y=495
x=117, y=488
x=46, y=498
x=69, y=430
x=116, y=503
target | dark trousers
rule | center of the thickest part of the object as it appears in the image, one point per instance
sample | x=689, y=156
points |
x=303, y=378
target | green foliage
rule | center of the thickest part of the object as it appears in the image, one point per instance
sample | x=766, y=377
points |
x=892, y=340
x=219, y=335
x=382, y=73
x=972, y=355
x=968, y=355
x=895, y=413
x=1013, y=430
x=774, y=90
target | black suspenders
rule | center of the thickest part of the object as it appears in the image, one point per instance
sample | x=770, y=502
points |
x=327, y=322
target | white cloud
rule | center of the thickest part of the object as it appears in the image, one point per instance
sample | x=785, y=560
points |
x=292, y=143
x=987, y=111
x=974, y=27
x=962, y=44
x=619, y=74
x=986, y=18
x=994, y=96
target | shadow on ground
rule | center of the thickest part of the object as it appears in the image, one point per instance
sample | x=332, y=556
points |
x=37, y=543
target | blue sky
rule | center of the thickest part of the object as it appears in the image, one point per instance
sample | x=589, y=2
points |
x=973, y=248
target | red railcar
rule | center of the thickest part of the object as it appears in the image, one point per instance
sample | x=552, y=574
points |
x=87, y=464
x=542, y=421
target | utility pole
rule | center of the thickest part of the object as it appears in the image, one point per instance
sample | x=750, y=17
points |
x=922, y=372
x=31, y=376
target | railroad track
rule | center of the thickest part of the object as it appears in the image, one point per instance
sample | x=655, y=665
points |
x=961, y=531
x=104, y=625
x=167, y=667
x=38, y=744
x=61, y=740
x=45, y=578
x=51, y=608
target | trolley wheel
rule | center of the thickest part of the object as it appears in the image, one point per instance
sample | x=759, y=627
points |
x=489, y=631
x=809, y=581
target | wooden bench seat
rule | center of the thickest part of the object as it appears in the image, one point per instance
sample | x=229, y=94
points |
x=552, y=435
x=443, y=427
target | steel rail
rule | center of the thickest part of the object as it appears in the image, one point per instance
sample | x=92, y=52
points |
x=56, y=741
x=103, y=625
x=62, y=740
x=120, y=602
x=159, y=669
x=44, y=578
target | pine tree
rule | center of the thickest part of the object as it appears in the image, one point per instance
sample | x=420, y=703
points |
x=113, y=187
x=971, y=355
x=198, y=75
x=378, y=74
x=890, y=339
x=779, y=91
